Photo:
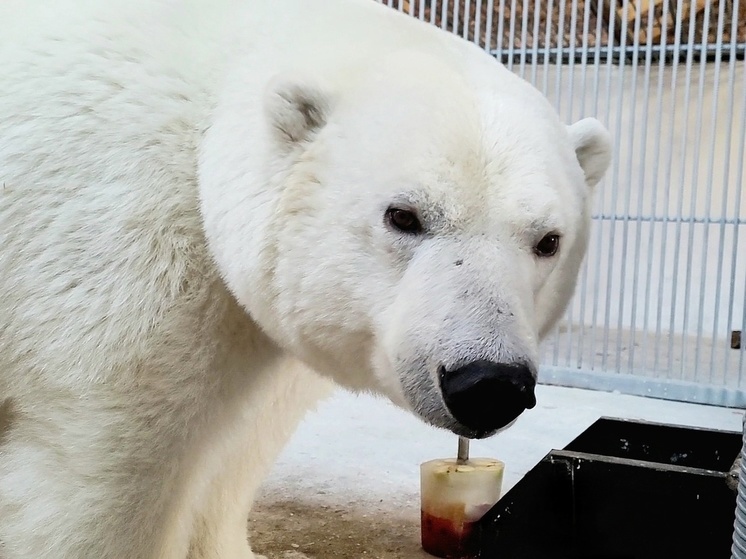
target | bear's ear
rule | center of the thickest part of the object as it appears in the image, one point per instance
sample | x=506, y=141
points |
x=296, y=109
x=592, y=144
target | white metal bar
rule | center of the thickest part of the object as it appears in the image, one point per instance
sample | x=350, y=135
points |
x=467, y=14
x=598, y=239
x=478, y=22
x=560, y=44
x=693, y=207
x=584, y=288
x=535, y=42
x=456, y=14
x=571, y=62
x=715, y=85
x=557, y=102
x=693, y=197
x=656, y=160
x=569, y=116
x=619, y=301
x=740, y=177
x=488, y=32
x=614, y=174
x=511, y=35
x=726, y=188
x=547, y=45
x=667, y=195
x=500, y=30
x=584, y=55
x=635, y=260
x=524, y=38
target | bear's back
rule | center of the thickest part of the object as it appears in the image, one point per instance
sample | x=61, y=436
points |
x=100, y=228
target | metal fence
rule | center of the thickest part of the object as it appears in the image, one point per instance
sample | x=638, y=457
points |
x=661, y=302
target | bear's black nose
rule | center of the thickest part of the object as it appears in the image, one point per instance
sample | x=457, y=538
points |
x=485, y=396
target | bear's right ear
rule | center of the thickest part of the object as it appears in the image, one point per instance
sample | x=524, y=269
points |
x=592, y=144
x=296, y=110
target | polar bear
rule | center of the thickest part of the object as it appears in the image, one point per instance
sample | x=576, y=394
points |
x=212, y=209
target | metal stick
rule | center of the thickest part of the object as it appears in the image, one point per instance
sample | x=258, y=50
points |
x=463, y=450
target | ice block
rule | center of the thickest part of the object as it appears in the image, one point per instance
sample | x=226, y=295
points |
x=455, y=494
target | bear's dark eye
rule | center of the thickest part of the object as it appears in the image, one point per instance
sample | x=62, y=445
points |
x=405, y=221
x=548, y=246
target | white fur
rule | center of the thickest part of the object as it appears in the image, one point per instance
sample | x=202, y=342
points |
x=192, y=219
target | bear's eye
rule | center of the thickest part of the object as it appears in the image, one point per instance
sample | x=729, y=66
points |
x=405, y=221
x=548, y=246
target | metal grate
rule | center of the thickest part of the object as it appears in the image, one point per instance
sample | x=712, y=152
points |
x=662, y=296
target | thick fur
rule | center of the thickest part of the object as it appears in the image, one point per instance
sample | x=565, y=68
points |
x=192, y=221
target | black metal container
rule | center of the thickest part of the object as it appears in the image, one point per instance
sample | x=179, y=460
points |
x=621, y=490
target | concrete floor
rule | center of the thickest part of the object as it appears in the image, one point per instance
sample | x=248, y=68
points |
x=347, y=485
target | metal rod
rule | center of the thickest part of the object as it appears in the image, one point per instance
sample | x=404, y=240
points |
x=463, y=450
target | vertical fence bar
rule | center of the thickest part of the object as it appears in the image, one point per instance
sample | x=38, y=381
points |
x=557, y=102
x=500, y=30
x=631, y=134
x=736, y=236
x=738, y=182
x=569, y=116
x=535, y=42
x=524, y=37
x=569, y=112
x=467, y=14
x=642, y=157
x=722, y=221
x=667, y=195
x=547, y=45
x=511, y=35
x=693, y=190
x=560, y=49
x=715, y=84
x=444, y=14
x=614, y=173
x=584, y=288
x=595, y=108
x=456, y=14
x=642, y=154
x=655, y=175
x=478, y=22
x=488, y=31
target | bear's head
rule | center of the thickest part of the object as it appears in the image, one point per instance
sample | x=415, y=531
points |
x=412, y=228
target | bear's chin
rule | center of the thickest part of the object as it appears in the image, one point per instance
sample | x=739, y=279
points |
x=434, y=412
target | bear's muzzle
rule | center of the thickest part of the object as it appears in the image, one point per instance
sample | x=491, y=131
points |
x=485, y=396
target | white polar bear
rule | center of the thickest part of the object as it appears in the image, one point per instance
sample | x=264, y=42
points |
x=203, y=201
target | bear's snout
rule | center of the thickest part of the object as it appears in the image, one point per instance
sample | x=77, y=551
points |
x=485, y=396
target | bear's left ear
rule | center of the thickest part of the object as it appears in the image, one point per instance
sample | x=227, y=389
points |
x=296, y=109
x=592, y=144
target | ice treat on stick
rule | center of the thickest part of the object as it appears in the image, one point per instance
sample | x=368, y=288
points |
x=455, y=494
